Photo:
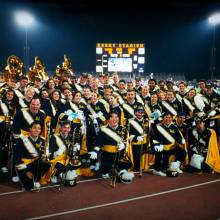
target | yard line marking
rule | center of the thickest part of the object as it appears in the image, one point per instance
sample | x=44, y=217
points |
x=123, y=201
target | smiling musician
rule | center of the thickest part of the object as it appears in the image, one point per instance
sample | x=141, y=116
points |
x=28, y=153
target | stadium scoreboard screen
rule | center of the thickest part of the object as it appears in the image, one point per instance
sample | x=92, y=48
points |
x=123, y=58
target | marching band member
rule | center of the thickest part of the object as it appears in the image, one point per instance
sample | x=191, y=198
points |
x=28, y=152
x=145, y=95
x=139, y=130
x=161, y=96
x=193, y=104
x=204, y=149
x=170, y=85
x=182, y=92
x=20, y=91
x=162, y=86
x=24, y=117
x=24, y=102
x=82, y=82
x=64, y=155
x=155, y=108
x=97, y=117
x=57, y=107
x=115, y=107
x=130, y=105
x=167, y=141
x=112, y=143
x=121, y=93
x=10, y=84
x=23, y=120
x=7, y=112
x=137, y=87
x=171, y=104
x=50, y=85
x=202, y=86
x=86, y=95
x=130, y=86
x=212, y=96
x=181, y=125
x=152, y=84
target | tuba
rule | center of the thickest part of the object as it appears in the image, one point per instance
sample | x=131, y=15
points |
x=14, y=68
x=65, y=67
x=37, y=71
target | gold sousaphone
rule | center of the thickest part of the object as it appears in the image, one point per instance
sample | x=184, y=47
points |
x=14, y=68
x=37, y=71
x=65, y=67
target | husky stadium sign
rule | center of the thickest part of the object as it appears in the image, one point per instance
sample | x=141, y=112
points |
x=122, y=57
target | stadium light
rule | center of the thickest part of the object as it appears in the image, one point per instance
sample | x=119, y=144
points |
x=213, y=20
x=25, y=20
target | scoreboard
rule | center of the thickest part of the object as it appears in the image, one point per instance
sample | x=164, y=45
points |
x=122, y=58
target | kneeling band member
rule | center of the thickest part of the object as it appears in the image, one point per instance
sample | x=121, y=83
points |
x=28, y=154
x=64, y=155
x=111, y=142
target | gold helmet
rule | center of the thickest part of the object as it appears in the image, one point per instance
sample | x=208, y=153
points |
x=14, y=68
x=65, y=67
x=37, y=71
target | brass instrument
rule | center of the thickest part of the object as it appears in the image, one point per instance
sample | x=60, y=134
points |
x=65, y=67
x=38, y=70
x=14, y=68
x=73, y=157
x=45, y=155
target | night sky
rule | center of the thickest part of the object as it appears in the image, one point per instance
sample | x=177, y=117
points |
x=177, y=35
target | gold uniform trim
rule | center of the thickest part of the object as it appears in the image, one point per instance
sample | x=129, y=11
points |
x=110, y=148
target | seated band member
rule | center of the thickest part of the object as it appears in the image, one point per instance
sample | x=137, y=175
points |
x=28, y=157
x=111, y=141
x=64, y=155
x=167, y=141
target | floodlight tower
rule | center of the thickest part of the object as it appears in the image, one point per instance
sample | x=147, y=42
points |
x=213, y=20
x=25, y=20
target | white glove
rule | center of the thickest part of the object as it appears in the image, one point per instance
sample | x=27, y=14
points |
x=183, y=141
x=212, y=123
x=94, y=116
x=56, y=154
x=77, y=146
x=158, y=148
x=121, y=146
x=212, y=113
x=93, y=155
x=47, y=152
x=95, y=121
x=99, y=114
x=140, y=138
